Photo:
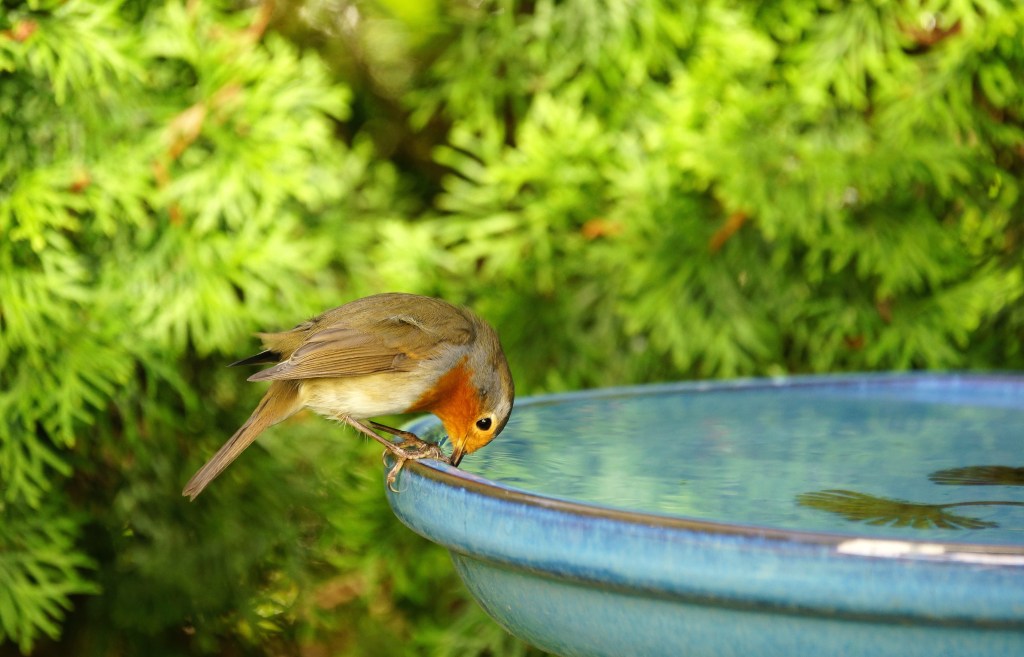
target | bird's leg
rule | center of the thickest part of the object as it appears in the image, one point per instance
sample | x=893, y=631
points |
x=362, y=428
x=419, y=449
x=406, y=436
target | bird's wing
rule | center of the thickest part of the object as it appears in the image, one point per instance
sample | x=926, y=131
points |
x=393, y=342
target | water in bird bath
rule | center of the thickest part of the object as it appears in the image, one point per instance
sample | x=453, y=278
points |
x=887, y=457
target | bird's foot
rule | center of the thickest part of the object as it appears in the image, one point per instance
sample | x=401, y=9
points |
x=410, y=452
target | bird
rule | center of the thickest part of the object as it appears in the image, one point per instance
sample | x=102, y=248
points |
x=385, y=354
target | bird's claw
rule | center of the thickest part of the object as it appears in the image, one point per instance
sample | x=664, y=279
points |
x=414, y=452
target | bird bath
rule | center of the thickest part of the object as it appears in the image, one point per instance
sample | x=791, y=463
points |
x=865, y=515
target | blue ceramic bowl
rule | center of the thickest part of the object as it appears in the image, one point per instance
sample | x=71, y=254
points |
x=852, y=515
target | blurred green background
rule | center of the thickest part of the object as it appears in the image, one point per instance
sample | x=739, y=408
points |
x=630, y=191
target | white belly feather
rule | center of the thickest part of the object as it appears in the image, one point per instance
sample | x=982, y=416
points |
x=362, y=397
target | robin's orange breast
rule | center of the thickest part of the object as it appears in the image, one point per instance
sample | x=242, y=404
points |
x=453, y=398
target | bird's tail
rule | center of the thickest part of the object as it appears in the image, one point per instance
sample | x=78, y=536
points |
x=281, y=401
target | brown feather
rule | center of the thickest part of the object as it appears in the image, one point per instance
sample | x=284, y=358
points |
x=366, y=337
x=258, y=359
x=280, y=402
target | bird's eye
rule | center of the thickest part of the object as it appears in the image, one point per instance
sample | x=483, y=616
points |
x=483, y=424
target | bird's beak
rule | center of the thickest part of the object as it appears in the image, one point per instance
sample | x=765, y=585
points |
x=457, y=453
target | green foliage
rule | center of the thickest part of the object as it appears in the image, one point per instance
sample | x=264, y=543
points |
x=630, y=191
x=719, y=191
x=40, y=569
x=160, y=176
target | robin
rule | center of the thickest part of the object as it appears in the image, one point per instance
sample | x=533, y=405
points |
x=386, y=354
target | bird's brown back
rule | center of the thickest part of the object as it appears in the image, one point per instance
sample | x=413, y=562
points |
x=384, y=332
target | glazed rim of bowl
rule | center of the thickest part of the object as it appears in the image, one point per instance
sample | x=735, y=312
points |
x=851, y=544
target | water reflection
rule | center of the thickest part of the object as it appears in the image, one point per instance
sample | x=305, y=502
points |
x=747, y=455
x=980, y=475
x=860, y=507
x=873, y=510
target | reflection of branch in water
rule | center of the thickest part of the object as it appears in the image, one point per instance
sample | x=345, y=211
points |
x=860, y=507
x=980, y=475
